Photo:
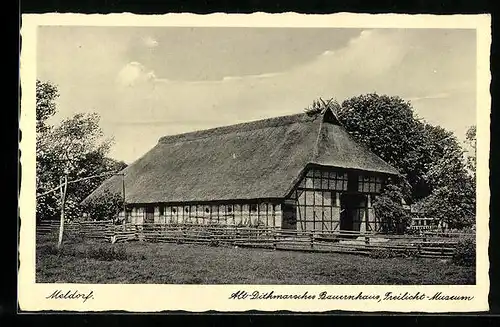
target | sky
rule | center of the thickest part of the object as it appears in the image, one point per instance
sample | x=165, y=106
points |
x=147, y=82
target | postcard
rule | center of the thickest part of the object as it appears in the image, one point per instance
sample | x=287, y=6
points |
x=269, y=162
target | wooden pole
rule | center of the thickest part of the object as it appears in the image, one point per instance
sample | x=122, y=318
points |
x=63, y=199
x=124, y=205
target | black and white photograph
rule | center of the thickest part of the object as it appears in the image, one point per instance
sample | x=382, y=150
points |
x=318, y=162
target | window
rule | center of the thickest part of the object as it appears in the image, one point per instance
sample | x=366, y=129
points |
x=174, y=210
x=274, y=207
x=229, y=209
x=162, y=210
x=186, y=209
x=207, y=210
x=253, y=207
x=325, y=180
x=369, y=184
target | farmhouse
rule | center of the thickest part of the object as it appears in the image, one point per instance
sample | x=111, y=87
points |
x=301, y=172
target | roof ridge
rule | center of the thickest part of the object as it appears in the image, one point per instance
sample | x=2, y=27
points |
x=327, y=115
x=240, y=127
x=318, y=135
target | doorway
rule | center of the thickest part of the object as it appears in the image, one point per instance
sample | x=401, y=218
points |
x=150, y=215
x=289, y=215
x=352, y=208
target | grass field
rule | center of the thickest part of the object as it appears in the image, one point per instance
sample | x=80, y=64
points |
x=163, y=263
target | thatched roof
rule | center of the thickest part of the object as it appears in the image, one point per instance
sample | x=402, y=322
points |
x=255, y=160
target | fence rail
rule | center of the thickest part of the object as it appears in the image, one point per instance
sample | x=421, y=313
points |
x=429, y=244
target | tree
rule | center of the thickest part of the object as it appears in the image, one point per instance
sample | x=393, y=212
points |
x=389, y=210
x=453, y=196
x=389, y=128
x=470, y=137
x=429, y=158
x=77, y=147
x=455, y=205
x=105, y=207
x=46, y=95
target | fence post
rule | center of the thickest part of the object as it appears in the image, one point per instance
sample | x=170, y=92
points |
x=312, y=240
x=64, y=188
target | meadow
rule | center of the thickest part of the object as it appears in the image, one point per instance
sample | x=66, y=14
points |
x=90, y=261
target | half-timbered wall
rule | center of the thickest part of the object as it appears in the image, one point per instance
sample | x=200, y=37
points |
x=318, y=203
x=319, y=200
x=248, y=214
x=136, y=215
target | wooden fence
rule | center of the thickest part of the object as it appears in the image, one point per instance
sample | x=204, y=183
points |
x=429, y=244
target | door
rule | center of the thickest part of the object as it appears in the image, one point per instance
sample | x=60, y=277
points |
x=351, y=211
x=150, y=215
x=289, y=215
x=346, y=214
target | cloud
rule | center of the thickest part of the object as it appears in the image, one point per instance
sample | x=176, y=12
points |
x=347, y=63
x=382, y=61
x=149, y=42
x=443, y=95
x=249, y=77
x=134, y=73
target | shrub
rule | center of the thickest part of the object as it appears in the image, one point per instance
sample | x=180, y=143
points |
x=389, y=209
x=465, y=253
x=105, y=207
x=467, y=230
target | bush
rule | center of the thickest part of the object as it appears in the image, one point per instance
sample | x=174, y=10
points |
x=105, y=207
x=388, y=208
x=465, y=253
